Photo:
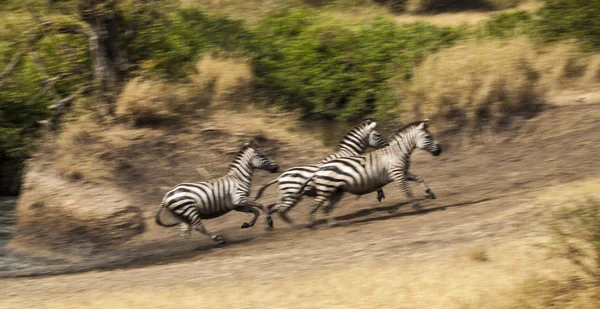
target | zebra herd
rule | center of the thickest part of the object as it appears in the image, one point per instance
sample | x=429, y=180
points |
x=347, y=170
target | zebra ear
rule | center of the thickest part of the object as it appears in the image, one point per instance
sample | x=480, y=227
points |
x=372, y=125
x=423, y=124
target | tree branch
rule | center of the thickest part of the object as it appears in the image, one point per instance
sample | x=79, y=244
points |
x=42, y=72
x=61, y=107
x=50, y=83
x=13, y=63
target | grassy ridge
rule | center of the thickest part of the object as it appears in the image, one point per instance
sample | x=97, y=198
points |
x=331, y=59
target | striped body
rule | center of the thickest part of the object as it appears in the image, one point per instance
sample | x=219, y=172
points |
x=192, y=202
x=367, y=173
x=354, y=143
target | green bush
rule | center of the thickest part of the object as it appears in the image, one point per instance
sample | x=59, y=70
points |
x=394, y=5
x=336, y=71
x=507, y=24
x=564, y=19
x=163, y=39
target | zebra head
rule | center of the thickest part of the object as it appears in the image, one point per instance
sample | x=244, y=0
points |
x=259, y=160
x=424, y=140
x=362, y=137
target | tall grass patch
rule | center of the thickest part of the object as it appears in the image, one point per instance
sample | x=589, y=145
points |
x=477, y=85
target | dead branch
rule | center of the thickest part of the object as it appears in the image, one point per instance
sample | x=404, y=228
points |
x=50, y=84
x=13, y=63
x=42, y=71
x=62, y=106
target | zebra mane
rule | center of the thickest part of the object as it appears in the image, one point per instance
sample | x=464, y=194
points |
x=405, y=127
x=356, y=129
x=241, y=152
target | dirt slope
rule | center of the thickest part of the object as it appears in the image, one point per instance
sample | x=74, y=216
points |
x=485, y=195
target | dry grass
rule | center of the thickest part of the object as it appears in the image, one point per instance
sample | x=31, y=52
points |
x=450, y=282
x=483, y=84
x=150, y=102
x=564, y=67
x=476, y=84
x=73, y=147
x=231, y=78
x=353, y=10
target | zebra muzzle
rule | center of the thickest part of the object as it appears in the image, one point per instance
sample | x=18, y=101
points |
x=438, y=151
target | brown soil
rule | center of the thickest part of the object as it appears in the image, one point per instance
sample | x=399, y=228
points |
x=485, y=193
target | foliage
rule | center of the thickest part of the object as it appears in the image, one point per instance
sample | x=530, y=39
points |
x=338, y=71
x=507, y=24
x=57, y=53
x=167, y=40
x=394, y=5
x=562, y=19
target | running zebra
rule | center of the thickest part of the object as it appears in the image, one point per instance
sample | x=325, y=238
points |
x=354, y=143
x=364, y=174
x=189, y=203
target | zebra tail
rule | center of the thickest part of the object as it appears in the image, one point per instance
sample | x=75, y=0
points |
x=260, y=192
x=301, y=190
x=157, y=216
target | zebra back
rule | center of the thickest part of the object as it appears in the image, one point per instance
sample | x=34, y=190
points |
x=358, y=140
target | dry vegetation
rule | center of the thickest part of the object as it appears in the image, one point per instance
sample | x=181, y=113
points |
x=481, y=85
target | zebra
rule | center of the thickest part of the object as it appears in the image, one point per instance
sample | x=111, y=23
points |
x=364, y=174
x=354, y=143
x=189, y=203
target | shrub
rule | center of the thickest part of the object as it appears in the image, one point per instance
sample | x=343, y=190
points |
x=147, y=102
x=561, y=19
x=163, y=39
x=231, y=77
x=576, y=232
x=507, y=24
x=333, y=71
x=394, y=5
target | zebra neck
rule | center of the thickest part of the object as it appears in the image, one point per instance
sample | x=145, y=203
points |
x=352, y=146
x=243, y=177
x=403, y=146
x=344, y=153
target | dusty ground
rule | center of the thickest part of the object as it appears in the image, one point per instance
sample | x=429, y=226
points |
x=488, y=209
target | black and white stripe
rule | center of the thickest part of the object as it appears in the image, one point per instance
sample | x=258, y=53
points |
x=189, y=203
x=354, y=143
x=364, y=174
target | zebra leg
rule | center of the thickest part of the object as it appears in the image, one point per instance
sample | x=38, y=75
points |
x=282, y=208
x=286, y=205
x=412, y=177
x=380, y=195
x=317, y=203
x=399, y=178
x=248, y=205
x=329, y=208
x=185, y=230
x=248, y=209
x=197, y=223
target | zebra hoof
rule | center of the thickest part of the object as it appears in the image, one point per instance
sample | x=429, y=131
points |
x=246, y=225
x=269, y=224
x=219, y=239
x=430, y=194
x=380, y=196
x=285, y=218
